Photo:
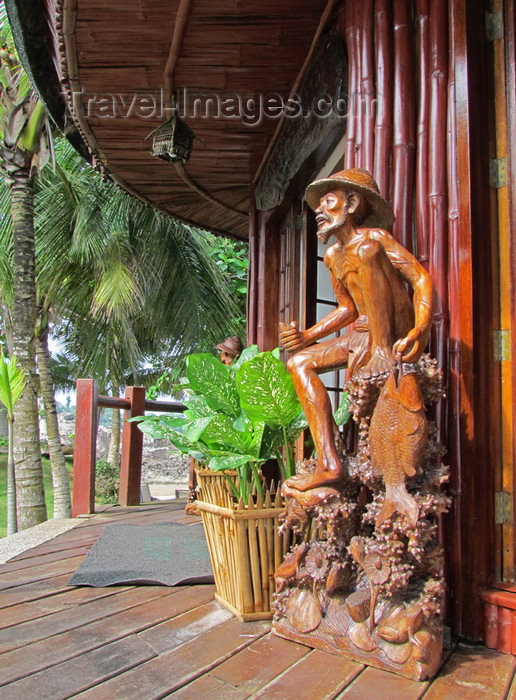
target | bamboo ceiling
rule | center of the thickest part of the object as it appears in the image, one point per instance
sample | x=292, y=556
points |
x=112, y=52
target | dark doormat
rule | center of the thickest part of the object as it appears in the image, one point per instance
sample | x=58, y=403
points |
x=162, y=553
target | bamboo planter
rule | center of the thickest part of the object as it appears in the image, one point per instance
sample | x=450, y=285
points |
x=244, y=544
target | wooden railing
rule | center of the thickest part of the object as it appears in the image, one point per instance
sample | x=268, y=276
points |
x=133, y=404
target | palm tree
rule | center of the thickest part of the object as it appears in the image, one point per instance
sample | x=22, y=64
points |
x=24, y=147
x=126, y=282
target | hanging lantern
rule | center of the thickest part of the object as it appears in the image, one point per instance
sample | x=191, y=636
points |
x=172, y=141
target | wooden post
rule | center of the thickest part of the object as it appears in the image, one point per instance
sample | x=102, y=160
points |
x=132, y=446
x=84, y=452
x=403, y=124
x=267, y=319
x=253, y=275
x=383, y=43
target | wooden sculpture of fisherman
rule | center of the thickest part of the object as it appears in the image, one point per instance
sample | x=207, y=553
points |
x=368, y=270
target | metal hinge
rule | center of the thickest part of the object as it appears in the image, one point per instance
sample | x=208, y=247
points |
x=497, y=172
x=501, y=345
x=494, y=26
x=503, y=508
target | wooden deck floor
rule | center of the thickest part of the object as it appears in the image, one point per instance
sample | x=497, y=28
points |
x=147, y=642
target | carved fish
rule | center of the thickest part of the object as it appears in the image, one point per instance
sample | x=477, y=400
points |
x=401, y=625
x=397, y=438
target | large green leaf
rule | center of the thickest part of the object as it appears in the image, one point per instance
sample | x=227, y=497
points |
x=246, y=355
x=174, y=421
x=5, y=386
x=153, y=428
x=157, y=425
x=229, y=460
x=256, y=445
x=182, y=443
x=194, y=429
x=266, y=391
x=220, y=433
x=12, y=382
x=197, y=407
x=214, y=381
x=272, y=440
x=299, y=423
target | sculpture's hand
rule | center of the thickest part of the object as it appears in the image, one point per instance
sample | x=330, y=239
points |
x=411, y=347
x=292, y=339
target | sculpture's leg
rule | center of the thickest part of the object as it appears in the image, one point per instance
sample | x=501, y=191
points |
x=304, y=368
x=388, y=307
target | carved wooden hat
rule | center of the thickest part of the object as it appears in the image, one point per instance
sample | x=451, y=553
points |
x=381, y=214
x=233, y=346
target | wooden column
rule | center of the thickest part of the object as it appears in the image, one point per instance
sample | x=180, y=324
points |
x=437, y=188
x=423, y=63
x=132, y=446
x=367, y=87
x=348, y=30
x=267, y=336
x=403, y=160
x=84, y=452
x=471, y=541
x=253, y=273
x=383, y=42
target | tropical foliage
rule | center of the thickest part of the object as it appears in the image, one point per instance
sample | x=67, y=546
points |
x=130, y=287
x=25, y=147
x=12, y=384
x=237, y=417
x=233, y=261
x=126, y=290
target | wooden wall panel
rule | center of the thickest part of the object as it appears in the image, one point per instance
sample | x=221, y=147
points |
x=252, y=276
x=267, y=319
x=510, y=74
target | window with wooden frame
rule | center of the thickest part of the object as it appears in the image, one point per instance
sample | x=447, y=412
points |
x=289, y=282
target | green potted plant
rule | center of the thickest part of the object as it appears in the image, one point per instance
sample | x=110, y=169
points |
x=238, y=417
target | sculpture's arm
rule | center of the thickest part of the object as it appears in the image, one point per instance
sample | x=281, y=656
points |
x=411, y=347
x=293, y=339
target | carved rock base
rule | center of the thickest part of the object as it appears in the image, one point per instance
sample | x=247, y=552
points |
x=359, y=584
x=417, y=659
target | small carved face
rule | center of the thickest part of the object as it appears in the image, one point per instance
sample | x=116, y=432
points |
x=226, y=358
x=331, y=213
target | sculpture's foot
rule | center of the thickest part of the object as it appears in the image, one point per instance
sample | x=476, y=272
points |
x=382, y=361
x=310, y=498
x=321, y=476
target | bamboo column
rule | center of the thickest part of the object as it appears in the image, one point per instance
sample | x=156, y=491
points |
x=347, y=20
x=367, y=90
x=437, y=186
x=404, y=124
x=357, y=101
x=383, y=128
x=423, y=42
